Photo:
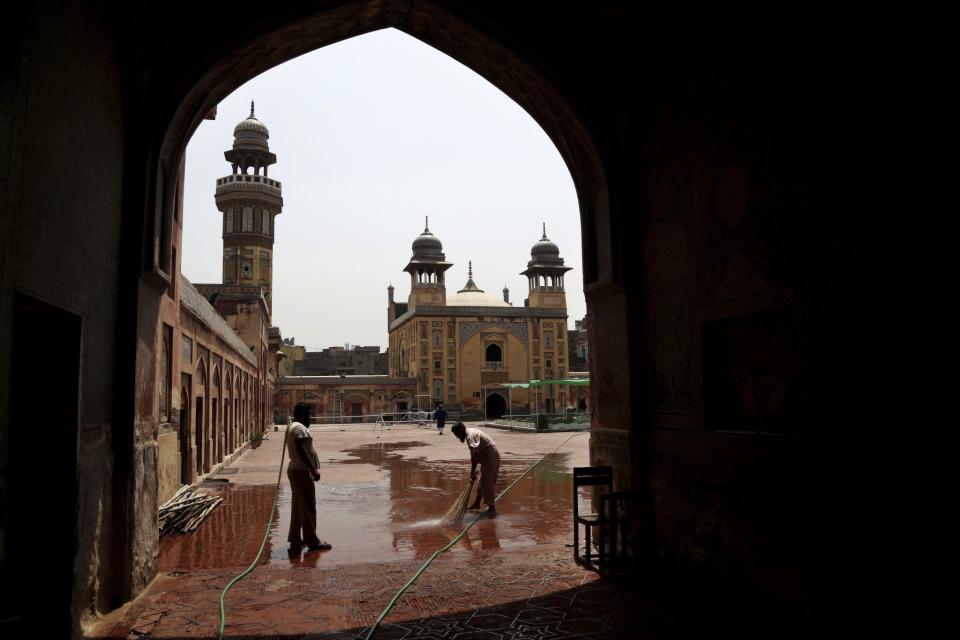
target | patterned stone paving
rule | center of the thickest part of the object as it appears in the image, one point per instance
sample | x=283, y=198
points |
x=492, y=595
x=510, y=578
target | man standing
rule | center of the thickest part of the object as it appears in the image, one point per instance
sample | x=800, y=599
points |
x=440, y=415
x=303, y=471
x=483, y=451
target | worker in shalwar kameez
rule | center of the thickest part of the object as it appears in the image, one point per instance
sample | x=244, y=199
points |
x=483, y=452
x=303, y=471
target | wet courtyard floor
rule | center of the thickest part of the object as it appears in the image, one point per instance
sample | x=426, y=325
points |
x=380, y=500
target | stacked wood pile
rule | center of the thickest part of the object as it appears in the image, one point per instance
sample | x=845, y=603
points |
x=186, y=510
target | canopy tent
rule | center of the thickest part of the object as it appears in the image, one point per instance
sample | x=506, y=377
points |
x=576, y=382
x=535, y=384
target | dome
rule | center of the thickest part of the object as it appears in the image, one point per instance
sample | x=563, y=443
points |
x=545, y=250
x=427, y=245
x=473, y=296
x=251, y=127
x=250, y=132
x=475, y=299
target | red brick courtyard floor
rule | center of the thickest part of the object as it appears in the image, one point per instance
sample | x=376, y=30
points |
x=512, y=576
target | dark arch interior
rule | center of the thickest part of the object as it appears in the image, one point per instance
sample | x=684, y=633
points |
x=496, y=406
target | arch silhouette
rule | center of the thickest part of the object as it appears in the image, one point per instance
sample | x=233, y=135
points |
x=493, y=353
x=303, y=30
x=496, y=405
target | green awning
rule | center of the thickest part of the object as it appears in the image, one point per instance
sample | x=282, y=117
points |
x=575, y=382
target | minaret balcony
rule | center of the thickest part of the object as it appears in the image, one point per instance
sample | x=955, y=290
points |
x=246, y=182
x=554, y=289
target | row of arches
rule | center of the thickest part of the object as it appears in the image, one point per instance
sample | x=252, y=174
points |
x=219, y=411
x=545, y=281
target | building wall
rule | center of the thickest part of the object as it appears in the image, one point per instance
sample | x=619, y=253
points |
x=374, y=394
x=334, y=360
x=228, y=415
x=463, y=340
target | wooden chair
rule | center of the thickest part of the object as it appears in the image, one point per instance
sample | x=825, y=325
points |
x=587, y=477
x=618, y=547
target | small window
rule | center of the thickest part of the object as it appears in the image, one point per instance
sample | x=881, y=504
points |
x=266, y=221
x=247, y=219
x=230, y=220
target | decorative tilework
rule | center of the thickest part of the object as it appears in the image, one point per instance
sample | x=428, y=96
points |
x=469, y=329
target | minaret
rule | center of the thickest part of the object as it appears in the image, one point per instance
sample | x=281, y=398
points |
x=426, y=269
x=545, y=273
x=249, y=201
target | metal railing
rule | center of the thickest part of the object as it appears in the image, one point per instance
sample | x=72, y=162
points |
x=545, y=421
x=493, y=365
x=420, y=418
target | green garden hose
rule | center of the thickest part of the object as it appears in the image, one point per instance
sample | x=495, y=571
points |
x=266, y=534
x=446, y=547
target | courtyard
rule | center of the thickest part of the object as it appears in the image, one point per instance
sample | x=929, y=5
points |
x=380, y=499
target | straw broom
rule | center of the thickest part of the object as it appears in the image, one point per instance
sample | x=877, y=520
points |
x=455, y=512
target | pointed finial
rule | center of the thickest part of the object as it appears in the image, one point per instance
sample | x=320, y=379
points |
x=544, y=231
x=470, y=269
x=251, y=108
x=426, y=224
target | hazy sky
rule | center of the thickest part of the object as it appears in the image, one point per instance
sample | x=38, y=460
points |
x=371, y=134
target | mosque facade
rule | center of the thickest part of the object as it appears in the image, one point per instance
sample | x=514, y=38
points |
x=462, y=347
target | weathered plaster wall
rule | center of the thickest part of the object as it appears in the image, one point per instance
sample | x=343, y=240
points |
x=168, y=465
x=62, y=137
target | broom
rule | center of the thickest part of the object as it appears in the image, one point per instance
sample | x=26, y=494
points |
x=455, y=512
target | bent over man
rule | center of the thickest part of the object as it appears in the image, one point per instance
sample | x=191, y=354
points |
x=303, y=471
x=483, y=452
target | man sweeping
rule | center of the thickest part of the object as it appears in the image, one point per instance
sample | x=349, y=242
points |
x=483, y=452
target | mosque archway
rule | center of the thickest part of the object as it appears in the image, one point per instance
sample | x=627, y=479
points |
x=496, y=405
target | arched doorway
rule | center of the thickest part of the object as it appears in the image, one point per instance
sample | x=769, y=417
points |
x=496, y=406
x=186, y=472
x=493, y=354
x=485, y=56
x=198, y=435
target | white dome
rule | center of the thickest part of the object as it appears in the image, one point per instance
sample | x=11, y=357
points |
x=475, y=299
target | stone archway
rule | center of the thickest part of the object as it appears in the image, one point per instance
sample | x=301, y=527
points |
x=736, y=177
x=186, y=471
x=496, y=405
